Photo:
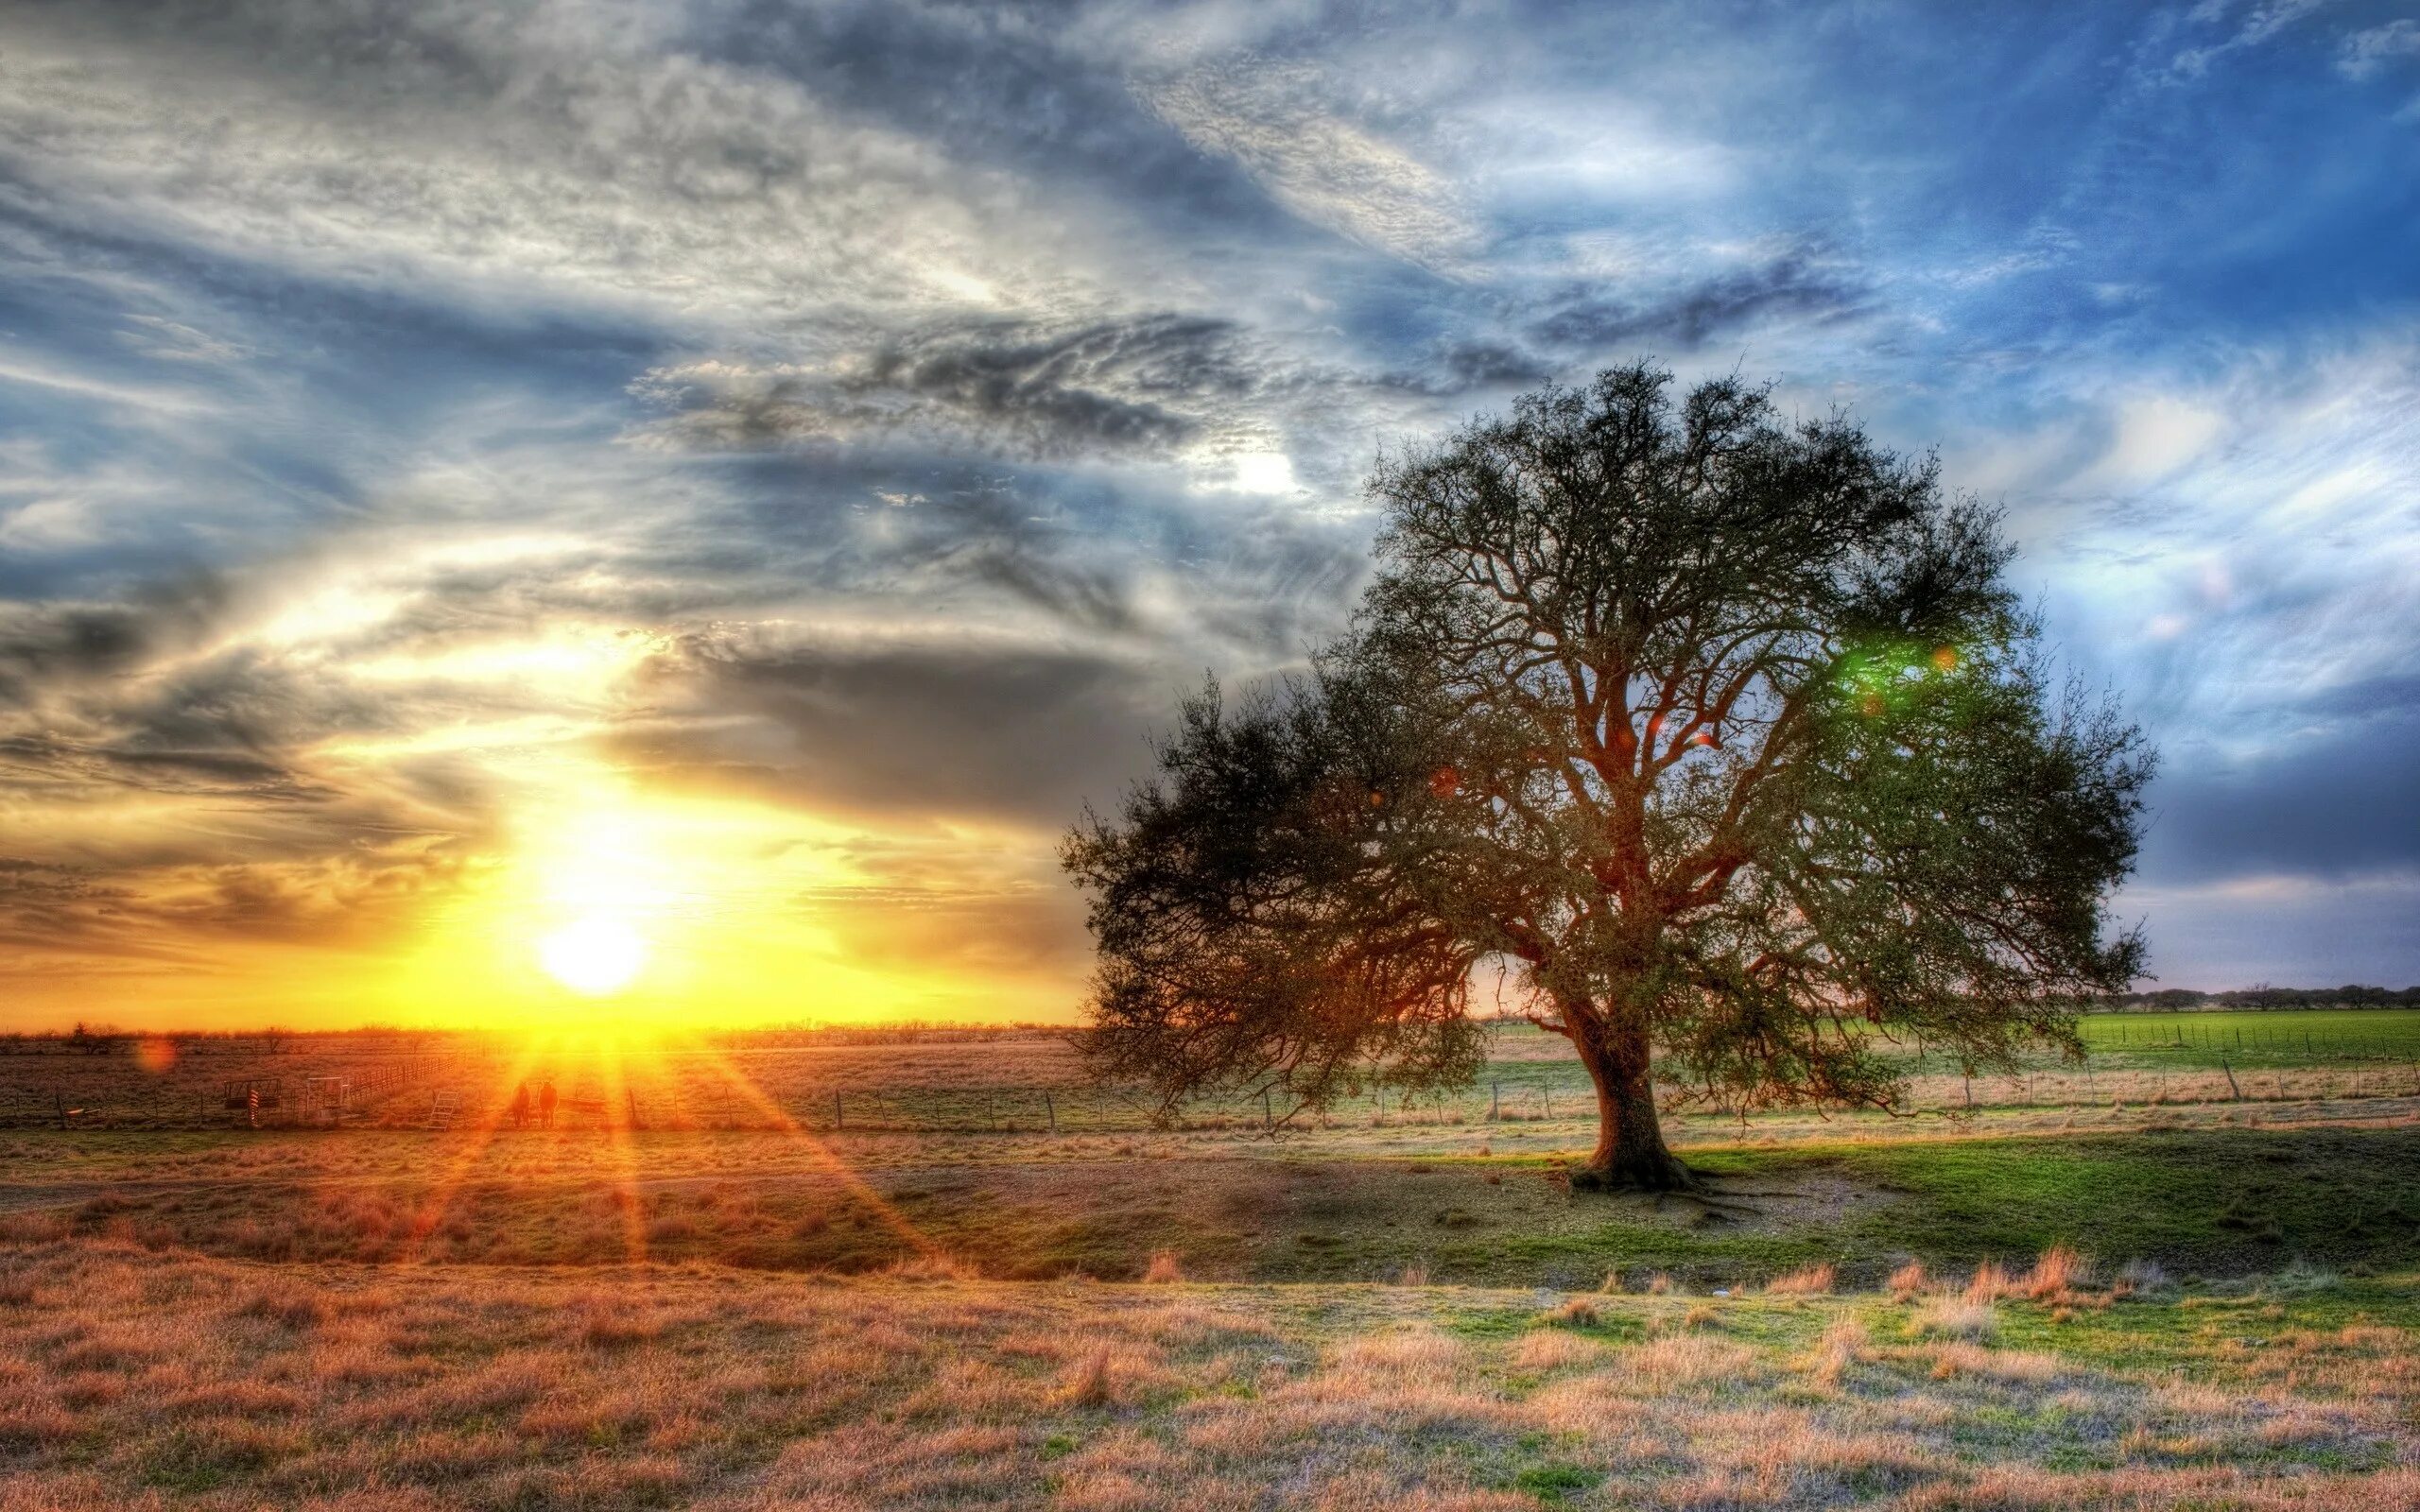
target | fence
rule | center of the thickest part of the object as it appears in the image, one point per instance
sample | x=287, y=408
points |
x=471, y=1087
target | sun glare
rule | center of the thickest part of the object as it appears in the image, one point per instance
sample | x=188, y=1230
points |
x=596, y=958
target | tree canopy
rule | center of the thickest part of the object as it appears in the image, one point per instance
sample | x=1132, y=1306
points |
x=1723, y=734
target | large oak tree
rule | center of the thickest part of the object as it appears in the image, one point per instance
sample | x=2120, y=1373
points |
x=1724, y=733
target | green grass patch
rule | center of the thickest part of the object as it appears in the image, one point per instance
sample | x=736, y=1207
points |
x=1555, y=1482
x=2220, y=1200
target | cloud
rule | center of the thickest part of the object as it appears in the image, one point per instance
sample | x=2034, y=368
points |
x=1003, y=732
x=2236, y=547
x=1149, y=385
x=1275, y=119
x=2332, y=802
x=994, y=912
x=2261, y=20
x=2366, y=53
x=497, y=156
x=2290, y=929
x=1800, y=286
x=45, y=645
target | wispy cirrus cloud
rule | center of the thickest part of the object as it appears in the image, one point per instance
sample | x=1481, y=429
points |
x=1278, y=120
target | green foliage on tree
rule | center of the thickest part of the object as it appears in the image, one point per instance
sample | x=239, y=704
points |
x=1723, y=732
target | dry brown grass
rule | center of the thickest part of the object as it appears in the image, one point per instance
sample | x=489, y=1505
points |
x=1956, y=1318
x=1843, y=1340
x=2055, y=1277
x=1575, y=1313
x=1990, y=1283
x=1812, y=1281
x=155, y=1381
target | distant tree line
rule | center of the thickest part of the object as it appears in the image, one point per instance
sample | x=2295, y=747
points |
x=107, y=1039
x=898, y=1032
x=96, y=1039
x=2263, y=998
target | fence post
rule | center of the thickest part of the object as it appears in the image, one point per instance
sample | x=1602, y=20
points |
x=1050, y=1109
x=1267, y=1119
x=838, y=1122
x=2231, y=1086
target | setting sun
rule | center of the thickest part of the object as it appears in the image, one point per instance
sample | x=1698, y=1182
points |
x=595, y=957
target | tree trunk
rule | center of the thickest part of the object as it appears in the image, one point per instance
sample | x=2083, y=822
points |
x=1631, y=1154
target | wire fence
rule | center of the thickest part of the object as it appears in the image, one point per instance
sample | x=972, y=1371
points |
x=437, y=1085
x=448, y=1091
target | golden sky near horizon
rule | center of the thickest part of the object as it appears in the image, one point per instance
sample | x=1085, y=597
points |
x=493, y=856
x=599, y=904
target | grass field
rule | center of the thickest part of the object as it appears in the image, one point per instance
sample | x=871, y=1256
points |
x=2216, y=1200
x=2307, y=1037
x=137, y=1380
x=1037, y=1081
x=1400, y=1309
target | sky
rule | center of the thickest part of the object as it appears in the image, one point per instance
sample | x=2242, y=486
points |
x=714, y=488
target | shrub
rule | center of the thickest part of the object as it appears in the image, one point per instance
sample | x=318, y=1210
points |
x=1163, y=1269
x=1908, y=1281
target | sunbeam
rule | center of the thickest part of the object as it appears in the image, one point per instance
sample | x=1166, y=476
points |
x=889, y=1216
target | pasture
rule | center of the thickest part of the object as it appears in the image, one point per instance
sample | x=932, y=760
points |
x=1035, y=1082
x=2171, y=1292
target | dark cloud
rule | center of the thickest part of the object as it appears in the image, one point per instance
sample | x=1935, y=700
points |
x=44, y=646
x=46, y=760
x=1109, y=387
x=1008, y=388
x=1462, y=367
x=1800, y=286
x=1018, y=733
x=177, y=912
x=2333, y=802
